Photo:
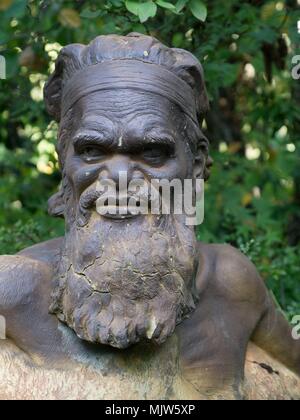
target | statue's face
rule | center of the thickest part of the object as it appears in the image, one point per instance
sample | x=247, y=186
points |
x=138, y=133
x=122, y=281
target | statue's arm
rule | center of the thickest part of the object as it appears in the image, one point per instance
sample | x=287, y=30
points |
x=239, y=280
x=20, y=279
x=8, y=267
x=15, y=273
x=10, y=291
x=274, y=334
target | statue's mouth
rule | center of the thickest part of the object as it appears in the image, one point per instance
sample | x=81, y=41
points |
x=120, y=208
x=118, y=212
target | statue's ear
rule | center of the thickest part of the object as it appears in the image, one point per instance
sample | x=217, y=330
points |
x=199, y=164
x=56, y=205
x=208, y=165
x=202, y=163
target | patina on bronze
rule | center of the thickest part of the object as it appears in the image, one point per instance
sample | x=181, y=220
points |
x=135, y=308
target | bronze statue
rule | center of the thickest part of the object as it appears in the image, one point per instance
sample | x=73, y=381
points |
x=134, y=307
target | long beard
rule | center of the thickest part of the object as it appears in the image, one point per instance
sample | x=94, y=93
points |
x=122, y=282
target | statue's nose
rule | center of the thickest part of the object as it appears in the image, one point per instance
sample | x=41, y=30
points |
x=120, y=170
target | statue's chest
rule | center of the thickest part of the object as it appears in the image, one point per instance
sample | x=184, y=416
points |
x=110, y=377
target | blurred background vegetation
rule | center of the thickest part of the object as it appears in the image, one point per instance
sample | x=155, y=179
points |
x=246, y=47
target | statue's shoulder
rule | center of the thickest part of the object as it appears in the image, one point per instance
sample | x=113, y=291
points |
x=22, y=276
x=232, y=274
x=19, y=279
x=48, y=252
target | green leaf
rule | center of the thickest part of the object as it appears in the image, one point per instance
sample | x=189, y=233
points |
x=4, y=37
x=180, y=5
x=132, y=6
x=117, y=3
x=178, y=39
x=147, y=10
x=266, y=34
x=17, y=9
x=198, y=9
x=166, y=5
x=138, y=27
x=90, y=14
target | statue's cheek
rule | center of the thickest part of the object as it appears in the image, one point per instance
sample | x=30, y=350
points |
x=82, y=175
x=175, y=168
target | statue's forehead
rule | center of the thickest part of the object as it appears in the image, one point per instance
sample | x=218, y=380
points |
x=138, y=112
x=126, y=101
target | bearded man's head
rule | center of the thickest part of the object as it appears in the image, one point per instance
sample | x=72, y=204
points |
x=125, y=105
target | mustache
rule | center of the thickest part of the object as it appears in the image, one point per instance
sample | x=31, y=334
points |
x=90, y=197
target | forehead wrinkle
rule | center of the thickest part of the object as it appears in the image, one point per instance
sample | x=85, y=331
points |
x=123, y=103
x=118, y=125
x=159, y=116
x=128, y=112
x=96, y=125
x=152, y=127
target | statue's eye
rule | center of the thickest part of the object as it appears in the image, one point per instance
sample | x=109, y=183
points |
x=91, y=153
x=156, y=154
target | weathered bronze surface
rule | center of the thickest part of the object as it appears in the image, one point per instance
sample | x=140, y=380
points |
x=135, y=308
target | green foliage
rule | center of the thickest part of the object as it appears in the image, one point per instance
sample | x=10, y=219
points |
x=246, y=47
x=198, y=9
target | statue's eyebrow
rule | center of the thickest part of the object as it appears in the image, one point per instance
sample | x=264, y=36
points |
x=87, y=138
x=156, y=139
x=83, y=138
